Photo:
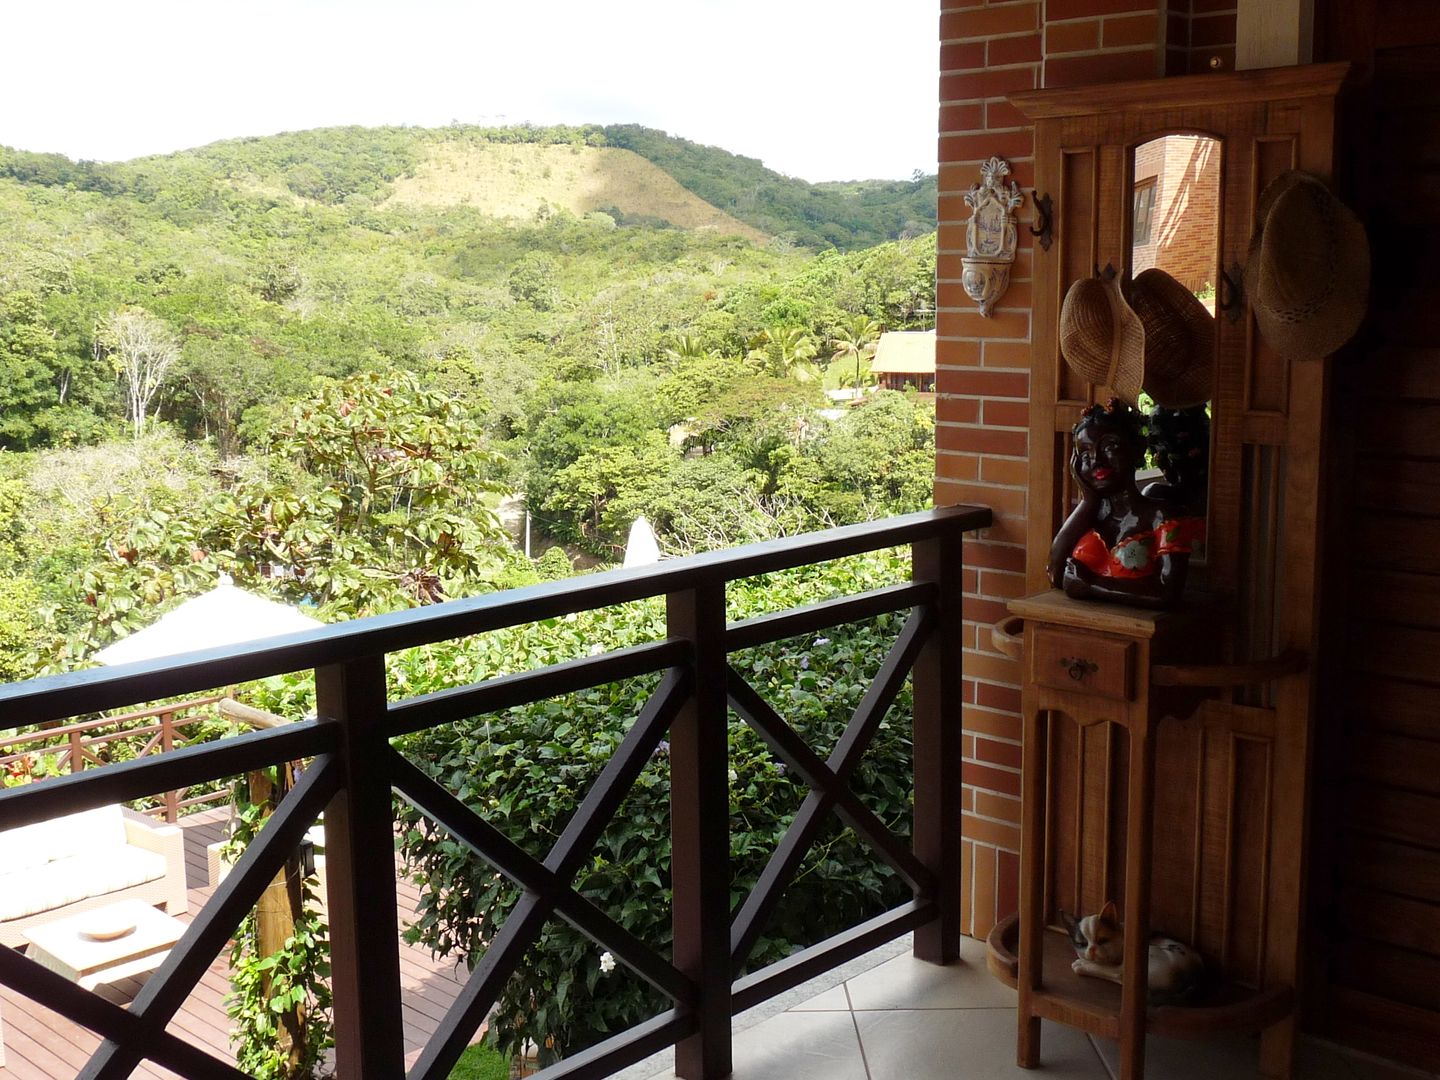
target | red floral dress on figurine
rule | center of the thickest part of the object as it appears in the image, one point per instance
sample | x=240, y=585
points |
x=1138, y=555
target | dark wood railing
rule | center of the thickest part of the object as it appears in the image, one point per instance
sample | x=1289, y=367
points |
x=355, y=770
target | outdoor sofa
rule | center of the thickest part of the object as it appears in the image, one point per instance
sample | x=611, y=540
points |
x=87, y=860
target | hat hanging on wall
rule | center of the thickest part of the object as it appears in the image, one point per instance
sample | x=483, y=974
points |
x=1308, y=273
x=1179, y=368
x=1101, y=338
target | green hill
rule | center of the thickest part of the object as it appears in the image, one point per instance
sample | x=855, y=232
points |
x=445, y=165
x=845, y=215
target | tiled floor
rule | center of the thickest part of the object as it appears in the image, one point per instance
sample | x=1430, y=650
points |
x=907, y=1020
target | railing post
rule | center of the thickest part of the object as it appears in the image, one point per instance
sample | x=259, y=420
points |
x=77, y=752
x=938, y=694
x=167, y=743
x=700, y=831
x=360, y=876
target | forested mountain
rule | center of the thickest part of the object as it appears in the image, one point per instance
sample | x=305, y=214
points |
x=273, y=259
x=844, y=215
x=334, y=165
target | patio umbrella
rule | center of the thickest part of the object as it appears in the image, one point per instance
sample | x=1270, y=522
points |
x=225, y=615
x=641, y=548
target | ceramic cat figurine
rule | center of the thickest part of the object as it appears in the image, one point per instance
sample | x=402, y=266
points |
x=1175, y=969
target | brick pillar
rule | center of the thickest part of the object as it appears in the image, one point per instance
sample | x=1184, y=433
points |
x=982, y=414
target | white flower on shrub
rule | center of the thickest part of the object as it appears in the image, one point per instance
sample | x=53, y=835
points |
x=607, y=963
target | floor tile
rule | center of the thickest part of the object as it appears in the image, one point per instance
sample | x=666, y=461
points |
x=1234, y=1057
x=907, y=983
x=1369, y=1068
x=834, y=998
x=973, y=1044
x=800, y=1046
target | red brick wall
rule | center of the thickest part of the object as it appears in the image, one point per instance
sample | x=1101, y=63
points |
x=989, y=50
x=1184, y=223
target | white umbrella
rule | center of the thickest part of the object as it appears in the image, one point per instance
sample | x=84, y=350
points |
x=223, y=616
x=641, y=548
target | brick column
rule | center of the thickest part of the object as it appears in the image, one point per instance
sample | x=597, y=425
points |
x=982, y=415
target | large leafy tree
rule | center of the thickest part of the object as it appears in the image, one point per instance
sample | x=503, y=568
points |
x=29, y=361
x=377, y=494
x=142, y=349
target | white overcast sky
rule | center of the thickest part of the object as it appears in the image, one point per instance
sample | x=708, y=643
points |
x=821, y=89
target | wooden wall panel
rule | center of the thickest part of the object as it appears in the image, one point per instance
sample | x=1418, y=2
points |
x=1251, y=794
x=1375, y=911
x=1174, y=870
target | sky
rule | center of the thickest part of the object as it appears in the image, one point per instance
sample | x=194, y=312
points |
x=820, y=89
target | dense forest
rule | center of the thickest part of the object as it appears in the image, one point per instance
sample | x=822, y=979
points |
x=174, y=330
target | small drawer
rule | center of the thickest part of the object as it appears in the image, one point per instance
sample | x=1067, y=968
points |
x=1084, y=663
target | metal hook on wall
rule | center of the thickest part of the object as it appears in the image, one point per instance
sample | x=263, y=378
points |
x=1233, y=302
x=1045, y=213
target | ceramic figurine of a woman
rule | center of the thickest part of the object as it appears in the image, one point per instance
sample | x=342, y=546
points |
x=1118, y=544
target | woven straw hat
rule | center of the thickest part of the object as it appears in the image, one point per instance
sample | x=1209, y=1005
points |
x=1179, y=341
x=1308, y=274
x=1101, y=338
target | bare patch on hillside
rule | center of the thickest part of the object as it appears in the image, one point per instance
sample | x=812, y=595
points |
x=517, y=180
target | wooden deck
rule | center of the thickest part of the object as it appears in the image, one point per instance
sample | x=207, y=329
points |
x=40, y=1045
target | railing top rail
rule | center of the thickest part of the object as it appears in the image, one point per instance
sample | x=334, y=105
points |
x=83, y=726
x=65, y=695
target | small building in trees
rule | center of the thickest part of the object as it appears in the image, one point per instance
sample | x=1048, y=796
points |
x=905, y=360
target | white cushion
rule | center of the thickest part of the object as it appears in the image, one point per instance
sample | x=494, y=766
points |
x=87, y=831
x=65, y=881
x=23, y=848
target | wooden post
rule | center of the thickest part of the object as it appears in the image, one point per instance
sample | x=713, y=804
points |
x=700, y=832
x=938, y=693
x=1033, y=812
x=167, y=743
x=77, y=751
x=278, y=908
x=1134, y=991
x=360, y=885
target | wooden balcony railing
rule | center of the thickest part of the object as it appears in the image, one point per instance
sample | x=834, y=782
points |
x=103, y=740
x=355, y=770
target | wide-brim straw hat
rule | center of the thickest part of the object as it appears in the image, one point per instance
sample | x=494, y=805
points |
x=1101, y=338
x=1179, y=368
x=1308, y=274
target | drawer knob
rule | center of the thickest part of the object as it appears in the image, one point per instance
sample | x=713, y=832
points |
x=1078, y=667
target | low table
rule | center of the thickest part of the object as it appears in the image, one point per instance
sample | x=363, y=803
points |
x=64, y=947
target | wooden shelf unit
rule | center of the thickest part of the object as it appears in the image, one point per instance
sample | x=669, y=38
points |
x=1170, y=770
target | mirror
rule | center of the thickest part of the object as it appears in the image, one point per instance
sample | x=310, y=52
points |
x=1175, y=218
x=1175, y=227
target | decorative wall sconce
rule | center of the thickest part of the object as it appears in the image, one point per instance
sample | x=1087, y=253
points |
x=991, y=236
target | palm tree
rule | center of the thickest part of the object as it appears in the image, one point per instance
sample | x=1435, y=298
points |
x=856, y=337
x=688, y=347
x=789, y=351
